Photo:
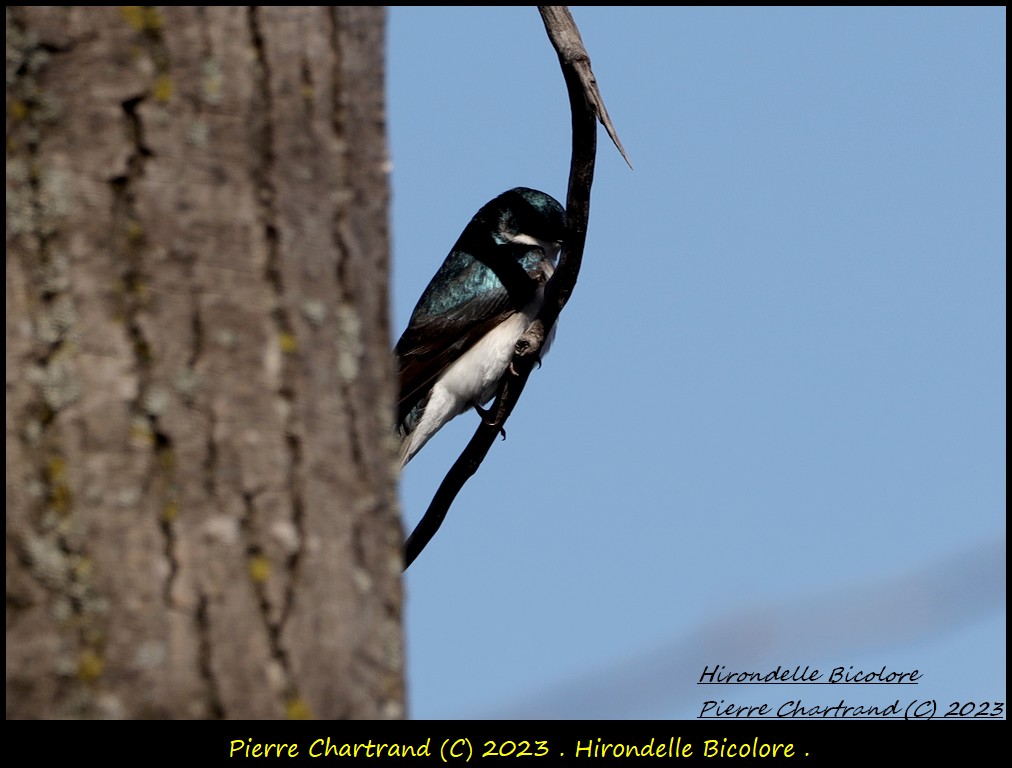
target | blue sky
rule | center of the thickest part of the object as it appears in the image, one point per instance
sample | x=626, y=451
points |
x=771, y=428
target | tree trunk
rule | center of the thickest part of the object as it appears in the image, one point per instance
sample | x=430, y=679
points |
x=201, y=514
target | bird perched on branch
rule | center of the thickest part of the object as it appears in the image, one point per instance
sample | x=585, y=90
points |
x=461, y=336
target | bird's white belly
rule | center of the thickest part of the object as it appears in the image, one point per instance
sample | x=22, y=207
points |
x=472, y=378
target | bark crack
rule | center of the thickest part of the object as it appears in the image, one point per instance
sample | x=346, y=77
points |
x=210, y=464
x=152, y=398
x=307, y=87
x=205, y=659
x=350, y=346
x=259, y=571
x=284, y=331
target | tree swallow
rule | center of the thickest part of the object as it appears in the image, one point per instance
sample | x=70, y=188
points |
x=461, y=336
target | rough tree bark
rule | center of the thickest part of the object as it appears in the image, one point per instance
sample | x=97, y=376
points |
x=201, y=515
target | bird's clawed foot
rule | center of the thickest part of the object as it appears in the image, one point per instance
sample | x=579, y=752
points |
x=486, y=416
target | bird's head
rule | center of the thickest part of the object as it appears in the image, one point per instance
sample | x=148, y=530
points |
x=524, y=216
